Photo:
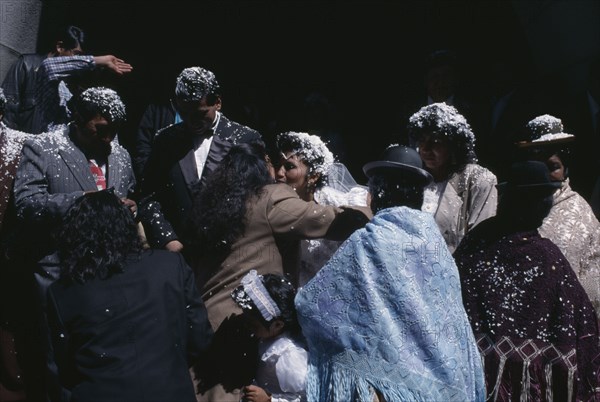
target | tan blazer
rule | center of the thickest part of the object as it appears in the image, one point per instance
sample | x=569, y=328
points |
x=277, y=221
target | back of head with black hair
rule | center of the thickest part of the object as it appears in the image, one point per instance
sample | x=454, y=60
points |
x=523, y=211
x=389, y=191
x=71, y=37
x=219, y=214
x=97, y=236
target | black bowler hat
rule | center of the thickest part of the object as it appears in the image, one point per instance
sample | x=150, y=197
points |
x=400, y=161
x=529, y=176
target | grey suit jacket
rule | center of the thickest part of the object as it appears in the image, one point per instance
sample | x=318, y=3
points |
x=52, y=174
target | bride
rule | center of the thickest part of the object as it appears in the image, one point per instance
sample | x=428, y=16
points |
x=306, y=164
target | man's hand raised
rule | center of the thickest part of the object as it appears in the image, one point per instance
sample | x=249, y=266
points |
x=114, y=64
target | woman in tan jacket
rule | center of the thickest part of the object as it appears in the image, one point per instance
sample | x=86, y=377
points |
x=244, y=221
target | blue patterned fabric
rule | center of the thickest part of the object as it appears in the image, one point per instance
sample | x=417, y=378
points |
x=386, y=314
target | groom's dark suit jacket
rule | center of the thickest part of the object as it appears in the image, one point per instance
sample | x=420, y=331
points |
x=170, y=176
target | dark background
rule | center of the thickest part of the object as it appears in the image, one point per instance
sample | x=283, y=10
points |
x=366, y=57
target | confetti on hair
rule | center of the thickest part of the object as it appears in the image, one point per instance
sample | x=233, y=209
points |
x=441, y=119
x=107, y=101
x=313, y=150
x=194, y=83
x=444, y=120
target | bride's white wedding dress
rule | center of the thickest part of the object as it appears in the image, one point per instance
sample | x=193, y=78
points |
x=341, y=189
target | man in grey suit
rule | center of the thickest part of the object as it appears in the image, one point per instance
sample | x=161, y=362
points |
x=55, y=168
x=59, y=167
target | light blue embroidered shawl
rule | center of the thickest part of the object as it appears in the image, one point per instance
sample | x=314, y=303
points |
x=386, y=313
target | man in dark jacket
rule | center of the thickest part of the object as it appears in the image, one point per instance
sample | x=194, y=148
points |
x=20, y=82
x=184, y=154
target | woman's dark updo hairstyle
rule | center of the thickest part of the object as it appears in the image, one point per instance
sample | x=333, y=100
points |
x=220, y=206
x=97, y=236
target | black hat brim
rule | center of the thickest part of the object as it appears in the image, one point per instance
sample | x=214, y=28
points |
x=387, y=168
x=541, y=188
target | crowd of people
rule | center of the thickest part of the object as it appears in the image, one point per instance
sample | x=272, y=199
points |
x=217, y=264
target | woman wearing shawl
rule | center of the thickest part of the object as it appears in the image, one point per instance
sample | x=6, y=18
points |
x=385, y=316
x=462, y=193
x=571, y=223
x=534, y=323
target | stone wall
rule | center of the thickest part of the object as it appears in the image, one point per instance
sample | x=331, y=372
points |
x=19, y=24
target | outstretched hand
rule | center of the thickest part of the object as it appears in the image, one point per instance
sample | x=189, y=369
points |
x=114, y=64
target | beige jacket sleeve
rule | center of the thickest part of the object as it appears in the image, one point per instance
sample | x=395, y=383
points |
x=288, y=214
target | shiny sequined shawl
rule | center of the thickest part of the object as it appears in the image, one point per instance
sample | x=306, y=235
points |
x=386, y=315
x=535, y=324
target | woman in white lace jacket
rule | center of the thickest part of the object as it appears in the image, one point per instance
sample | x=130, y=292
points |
x=571, y=223
x=306, y=164
x=463, y=192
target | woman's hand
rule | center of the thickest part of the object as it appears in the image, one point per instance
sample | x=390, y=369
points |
x=252, y=393
x=131, y=204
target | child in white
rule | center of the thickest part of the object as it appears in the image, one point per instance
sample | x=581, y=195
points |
x=268, y=305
